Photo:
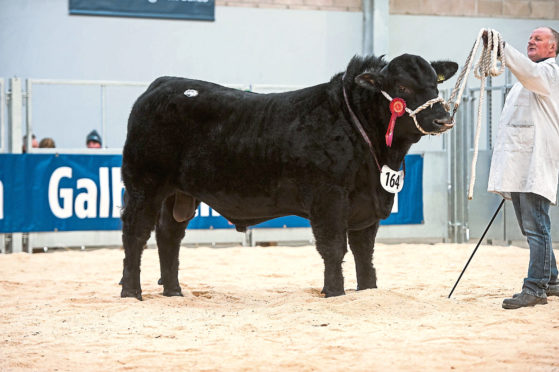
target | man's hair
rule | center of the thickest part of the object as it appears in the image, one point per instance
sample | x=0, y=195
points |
x=555, y=38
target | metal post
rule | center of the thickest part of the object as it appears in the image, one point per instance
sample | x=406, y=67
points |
x=375, y=27
x=2, y=127
x=15, y=116
x=458, y=214
x=28, y=125
x=15, y=140
x=103, y=115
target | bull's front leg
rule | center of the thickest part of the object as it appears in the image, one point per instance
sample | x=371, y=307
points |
x=362, y=245
x=329, y=225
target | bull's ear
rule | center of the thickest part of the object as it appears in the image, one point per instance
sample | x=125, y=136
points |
x=369, y=80
x=444, y=69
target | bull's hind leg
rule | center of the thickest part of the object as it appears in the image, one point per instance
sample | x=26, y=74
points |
x=175, y=213
x=328, y=222
x=362, y=244
x=138, y=220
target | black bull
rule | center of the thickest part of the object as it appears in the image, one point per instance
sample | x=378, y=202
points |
x=253, y=157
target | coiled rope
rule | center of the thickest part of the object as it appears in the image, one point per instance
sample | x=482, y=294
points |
x=485, y=66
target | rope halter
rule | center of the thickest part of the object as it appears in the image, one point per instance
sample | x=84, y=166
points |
x=486, y=66
x=429, y=104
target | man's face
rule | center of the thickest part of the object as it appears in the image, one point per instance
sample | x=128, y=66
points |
x=541, y=44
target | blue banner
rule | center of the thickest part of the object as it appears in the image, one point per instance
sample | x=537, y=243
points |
x=55, y=192
x=58, y=192
x=172, y=9
x=408, y=205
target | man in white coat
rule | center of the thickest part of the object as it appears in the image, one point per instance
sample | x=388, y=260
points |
x=525, y=161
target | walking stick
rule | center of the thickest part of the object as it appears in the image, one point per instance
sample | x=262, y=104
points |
x=477, y=246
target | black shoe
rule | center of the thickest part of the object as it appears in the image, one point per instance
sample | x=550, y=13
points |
x=552, y=290
x=522, y=300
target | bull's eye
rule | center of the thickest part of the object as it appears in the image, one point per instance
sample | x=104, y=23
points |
x=403, y=90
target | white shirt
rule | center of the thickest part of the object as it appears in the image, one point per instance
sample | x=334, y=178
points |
x=526, y=153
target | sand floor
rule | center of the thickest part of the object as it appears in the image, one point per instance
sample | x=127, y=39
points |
x=260, y=309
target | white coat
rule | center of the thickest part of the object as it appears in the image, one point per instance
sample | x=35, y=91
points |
x=526, y=153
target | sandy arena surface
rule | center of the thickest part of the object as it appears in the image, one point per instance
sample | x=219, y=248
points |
x=260, y=309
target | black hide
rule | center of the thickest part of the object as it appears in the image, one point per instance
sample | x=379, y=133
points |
x=253, y=157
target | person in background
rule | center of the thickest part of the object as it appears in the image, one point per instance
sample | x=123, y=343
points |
x=47, y=143
x=93, y=140
x=525, y=160
x=34, y=143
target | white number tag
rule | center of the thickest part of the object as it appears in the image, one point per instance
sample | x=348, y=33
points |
x=391, y=180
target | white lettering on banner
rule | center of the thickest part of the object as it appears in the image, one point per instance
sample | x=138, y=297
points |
x=206, y=211
x=104, y=192
x=64, y=211
x=1, y=200
x=395, y=205
x=118, y=186
x=85, y=204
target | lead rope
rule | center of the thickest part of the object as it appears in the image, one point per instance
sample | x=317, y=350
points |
x=485, y=66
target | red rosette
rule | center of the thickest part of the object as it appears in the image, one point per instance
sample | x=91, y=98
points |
x=398, y=106
x=397, y=109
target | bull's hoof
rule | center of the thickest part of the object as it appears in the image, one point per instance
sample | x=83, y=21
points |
x=173, y=293
x=131, y=293
x=160, y=281
x=368, y=286
x=328, y=293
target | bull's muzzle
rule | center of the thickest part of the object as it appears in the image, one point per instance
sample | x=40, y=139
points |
x=443, y=125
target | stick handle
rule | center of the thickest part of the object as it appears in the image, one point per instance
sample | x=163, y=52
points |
x=477, y=246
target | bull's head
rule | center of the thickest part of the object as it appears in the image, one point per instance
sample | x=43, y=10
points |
x=414, y=80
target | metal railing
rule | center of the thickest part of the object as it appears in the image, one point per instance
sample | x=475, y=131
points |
x=2, y=116
x=460, y=210
x=102, y=84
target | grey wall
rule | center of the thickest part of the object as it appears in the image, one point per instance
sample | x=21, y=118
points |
x=39, y=39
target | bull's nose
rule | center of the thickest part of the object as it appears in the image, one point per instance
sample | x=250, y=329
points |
x=446, y=121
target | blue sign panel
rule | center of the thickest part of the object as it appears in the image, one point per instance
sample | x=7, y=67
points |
x=57, y=192
x=174, y=9
x=408, y=205
x=60, y=192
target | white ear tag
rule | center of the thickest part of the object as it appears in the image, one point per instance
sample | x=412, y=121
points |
x=191, y=93
x=391, y=180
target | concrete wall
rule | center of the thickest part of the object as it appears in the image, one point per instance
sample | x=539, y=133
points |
x=39, y=39
x=534, y=9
